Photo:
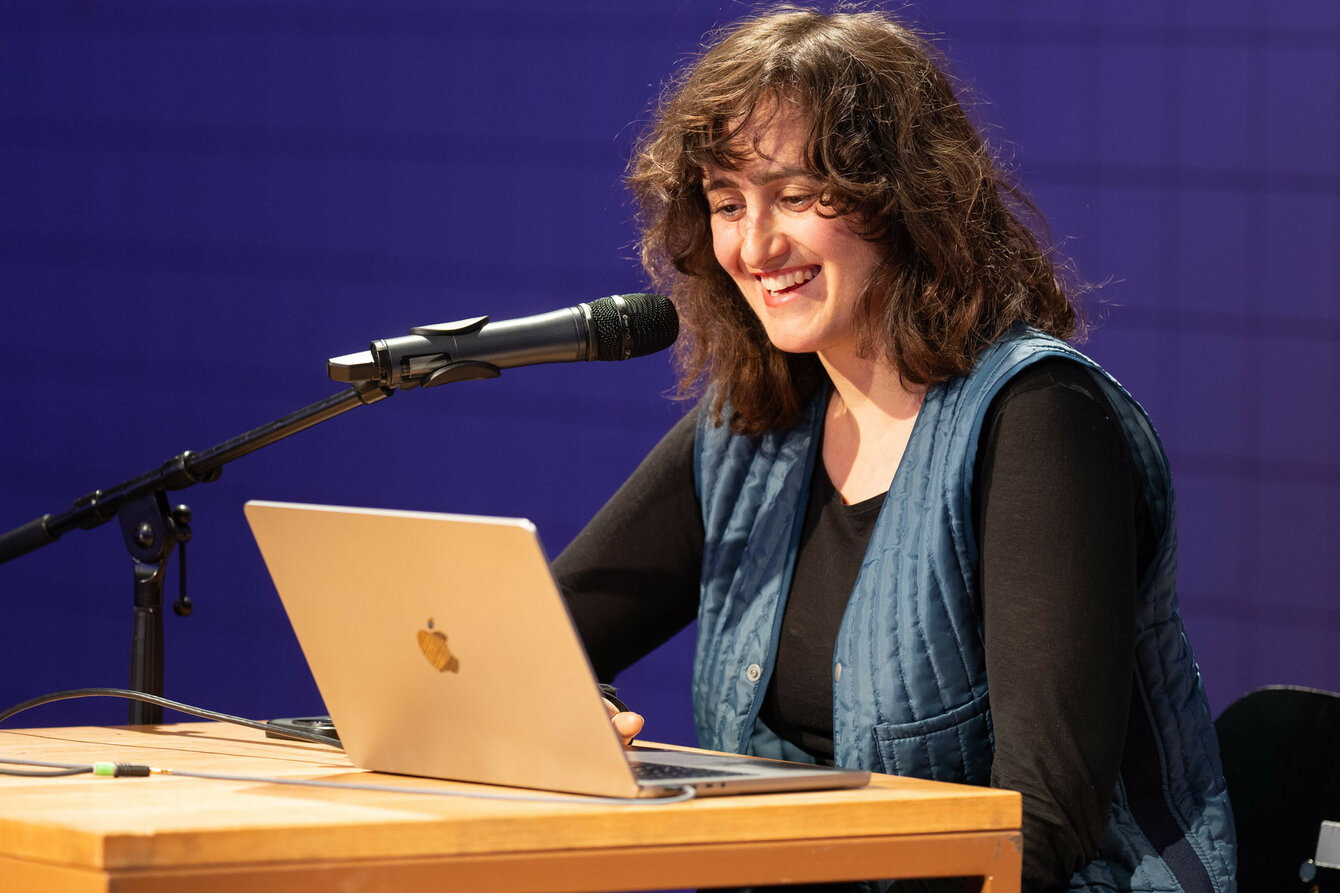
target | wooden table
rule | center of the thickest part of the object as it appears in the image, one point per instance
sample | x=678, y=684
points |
x=166, y=833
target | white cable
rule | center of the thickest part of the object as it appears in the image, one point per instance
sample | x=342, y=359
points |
x=686, y=793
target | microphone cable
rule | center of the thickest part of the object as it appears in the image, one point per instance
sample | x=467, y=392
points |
x=128, y=694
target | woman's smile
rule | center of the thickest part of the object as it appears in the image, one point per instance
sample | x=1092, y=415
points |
x=783, y=281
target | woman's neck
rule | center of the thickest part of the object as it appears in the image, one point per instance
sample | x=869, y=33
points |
x=869, y=421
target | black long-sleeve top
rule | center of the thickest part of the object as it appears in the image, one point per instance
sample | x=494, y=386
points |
x=1064, y=535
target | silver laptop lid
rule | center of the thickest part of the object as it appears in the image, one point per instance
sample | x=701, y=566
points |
x=441, y=647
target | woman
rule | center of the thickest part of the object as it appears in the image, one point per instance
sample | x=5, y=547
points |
x=920, y=534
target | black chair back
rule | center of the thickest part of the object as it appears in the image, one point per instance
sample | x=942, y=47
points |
x=1281, y=753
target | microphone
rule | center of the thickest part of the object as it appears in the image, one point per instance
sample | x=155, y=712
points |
x=613, y=328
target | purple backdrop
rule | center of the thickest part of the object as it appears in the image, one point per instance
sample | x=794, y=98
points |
x=202, y=202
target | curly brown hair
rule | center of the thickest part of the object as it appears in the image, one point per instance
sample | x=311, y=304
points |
x=894, y=149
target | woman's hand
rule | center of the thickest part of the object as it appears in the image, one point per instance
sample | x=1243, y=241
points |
x=627, y=723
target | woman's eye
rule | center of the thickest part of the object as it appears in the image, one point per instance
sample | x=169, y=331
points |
x=728, y=210
x=798, y=201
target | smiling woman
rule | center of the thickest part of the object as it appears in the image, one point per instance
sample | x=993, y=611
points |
x=801, y=271
x=877, y=132
x=919, y=532
x=804, y=270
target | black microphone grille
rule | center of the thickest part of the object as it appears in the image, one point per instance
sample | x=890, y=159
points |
x=645, y=324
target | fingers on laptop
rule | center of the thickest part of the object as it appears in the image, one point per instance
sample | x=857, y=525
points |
x=627, y=723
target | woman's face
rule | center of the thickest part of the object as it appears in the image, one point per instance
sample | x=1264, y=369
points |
x=801, y=271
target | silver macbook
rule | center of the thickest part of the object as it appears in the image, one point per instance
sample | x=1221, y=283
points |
x=442, y=648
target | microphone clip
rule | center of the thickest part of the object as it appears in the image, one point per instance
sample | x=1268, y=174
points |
x=420, y=359
x=449, y=372
x=462, y=370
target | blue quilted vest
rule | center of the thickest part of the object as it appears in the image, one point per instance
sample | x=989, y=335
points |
x=910, y=692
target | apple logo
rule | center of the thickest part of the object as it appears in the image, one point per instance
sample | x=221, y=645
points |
x=433, y=644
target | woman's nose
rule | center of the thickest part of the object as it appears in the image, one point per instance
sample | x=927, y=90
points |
x=763, y=241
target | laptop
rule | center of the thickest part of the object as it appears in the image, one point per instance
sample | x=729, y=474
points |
x=442, y=648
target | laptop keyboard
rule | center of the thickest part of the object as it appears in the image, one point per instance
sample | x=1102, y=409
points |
x=670, y=772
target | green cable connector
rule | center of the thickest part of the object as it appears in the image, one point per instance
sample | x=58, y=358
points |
x=119, y=770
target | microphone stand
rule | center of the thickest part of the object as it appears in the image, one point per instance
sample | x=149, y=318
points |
x=151, y=529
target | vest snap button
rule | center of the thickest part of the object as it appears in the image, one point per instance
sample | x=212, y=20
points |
x=753, y=673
